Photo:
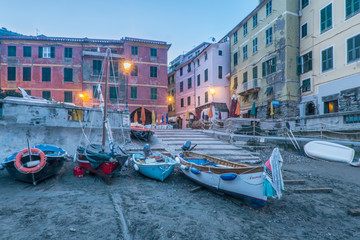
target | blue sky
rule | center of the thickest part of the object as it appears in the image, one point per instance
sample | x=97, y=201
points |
x=184, y=24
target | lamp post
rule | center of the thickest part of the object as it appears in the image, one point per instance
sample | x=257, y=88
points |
x=127, y=66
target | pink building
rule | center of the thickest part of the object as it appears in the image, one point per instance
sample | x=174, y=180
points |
x=203, y=68
x=62, y=68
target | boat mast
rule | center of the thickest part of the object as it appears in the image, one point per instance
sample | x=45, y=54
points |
x=105, y=99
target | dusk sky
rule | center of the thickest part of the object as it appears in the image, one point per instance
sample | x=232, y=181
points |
x=184, y=24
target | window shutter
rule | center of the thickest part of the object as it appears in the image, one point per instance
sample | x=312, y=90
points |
x=52, y=52
x=40, y=52
x=298, y=64
x=273, y=65
x=263, y=69
x=310, y=61
x=326, y=107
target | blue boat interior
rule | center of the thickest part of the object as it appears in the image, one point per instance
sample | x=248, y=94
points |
x=200, y=162
x=162, y=159
x=49, y=150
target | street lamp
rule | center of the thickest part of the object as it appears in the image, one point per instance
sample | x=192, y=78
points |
x=127, y=66
x=212, y=91
x=170, y=99
x=82, y=97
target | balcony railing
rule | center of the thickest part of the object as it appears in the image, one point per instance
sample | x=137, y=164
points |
x=250, y=86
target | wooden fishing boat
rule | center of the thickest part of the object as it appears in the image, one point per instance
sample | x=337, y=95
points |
x=141, y=133
x=103, y=163
x=238, y=180
x=156, y=166
x=329, y=151
x=43, y=162
x=253, y=184
x=97, y=158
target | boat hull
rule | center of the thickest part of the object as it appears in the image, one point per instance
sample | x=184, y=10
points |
x=102, y=163
x=238, y=180
x=329, y=151
x=157, y=171
x=248, y=187
x=106, y=168
x=54, y=163
x=141, y=133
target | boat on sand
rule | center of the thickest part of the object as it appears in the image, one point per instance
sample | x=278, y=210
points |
x=43, y=162
x=153, y=165
x=250, y=183
x=141, y=133
x=329, y=151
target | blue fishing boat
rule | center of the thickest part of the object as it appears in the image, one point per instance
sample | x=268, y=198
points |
x=153, y=165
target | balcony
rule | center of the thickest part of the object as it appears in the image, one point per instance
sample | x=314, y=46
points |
x=249, y=87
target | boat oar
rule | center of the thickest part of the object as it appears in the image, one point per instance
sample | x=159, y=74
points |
x=28, y=143
x=30, y=164
x=192, y=147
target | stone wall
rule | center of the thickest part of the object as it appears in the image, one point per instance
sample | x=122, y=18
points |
x=52, y=124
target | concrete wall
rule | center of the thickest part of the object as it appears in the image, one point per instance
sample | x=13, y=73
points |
x=50, y=124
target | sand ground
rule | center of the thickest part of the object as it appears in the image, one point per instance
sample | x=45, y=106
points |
x=134, y=207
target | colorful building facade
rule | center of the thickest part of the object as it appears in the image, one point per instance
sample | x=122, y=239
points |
x=329, y=61
x=62, y=68
x=264, y=50
x=202, y=82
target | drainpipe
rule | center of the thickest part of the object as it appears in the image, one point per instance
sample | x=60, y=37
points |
x=300, y=99
x=82, y=67
x=0, y=63
x=193, y=61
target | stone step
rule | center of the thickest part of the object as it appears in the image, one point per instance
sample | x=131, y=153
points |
x=199, y=143
x=183, y=140
x=213, y=148
x=181, y=135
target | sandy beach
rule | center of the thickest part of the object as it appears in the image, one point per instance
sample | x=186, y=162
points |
x=135, y=207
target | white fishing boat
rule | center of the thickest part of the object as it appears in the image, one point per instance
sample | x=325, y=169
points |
x=251, y=183
x=329, y=151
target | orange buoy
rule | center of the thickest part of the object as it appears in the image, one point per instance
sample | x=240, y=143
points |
x=19, y=166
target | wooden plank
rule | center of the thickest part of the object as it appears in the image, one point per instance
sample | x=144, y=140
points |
x=354, y=212
x=314, y=190
x=294, y=181
x=166, y=154
x=196, y=189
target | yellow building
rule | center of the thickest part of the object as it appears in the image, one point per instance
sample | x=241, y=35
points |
x=329, y=62
x=264, y=50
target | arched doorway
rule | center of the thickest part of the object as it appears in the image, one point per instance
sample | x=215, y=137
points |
x=179, y=122
x=147, y=116
x=310, y=109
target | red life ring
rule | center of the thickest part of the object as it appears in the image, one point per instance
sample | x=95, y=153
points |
x=19, y=166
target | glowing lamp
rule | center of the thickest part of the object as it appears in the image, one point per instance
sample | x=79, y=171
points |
x=212, y=91
x=127, y=65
